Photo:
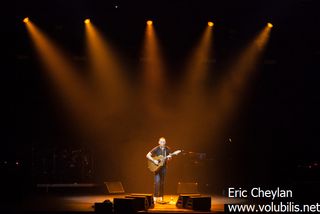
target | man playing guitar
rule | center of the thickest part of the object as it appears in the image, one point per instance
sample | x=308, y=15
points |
x=163, y=151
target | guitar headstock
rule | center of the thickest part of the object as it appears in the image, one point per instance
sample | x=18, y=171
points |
x=176, y=152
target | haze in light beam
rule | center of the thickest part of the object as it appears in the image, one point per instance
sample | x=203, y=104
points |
x=198, y=64
x=233, y=86
x=153, y=74
x=107, y=73
x=192, y=96
x=64, y=76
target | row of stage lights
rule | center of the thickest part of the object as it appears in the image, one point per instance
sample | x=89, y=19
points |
x=149, y=22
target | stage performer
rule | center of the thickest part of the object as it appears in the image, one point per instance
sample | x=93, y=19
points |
x=159, y=175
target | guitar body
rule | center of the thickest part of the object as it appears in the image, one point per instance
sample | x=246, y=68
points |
x=156, y=167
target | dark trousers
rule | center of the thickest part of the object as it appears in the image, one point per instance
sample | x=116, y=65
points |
x=159, y=182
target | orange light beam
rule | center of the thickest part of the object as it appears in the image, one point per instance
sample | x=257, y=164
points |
x=190, y=115
x=63, y=74
x=153, y=63
x=153, y=73
x=107, y=72
x=232, y=88
x=198, y=63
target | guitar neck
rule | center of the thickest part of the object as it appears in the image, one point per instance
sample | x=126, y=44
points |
x=171, y=154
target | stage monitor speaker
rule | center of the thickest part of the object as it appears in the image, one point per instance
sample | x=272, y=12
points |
x=187, y=188
x=124, y=205
x=202, y=203
x=104, y=207
x=183, y=200
x=114, y=187
x=141, y=202
x=149, y=198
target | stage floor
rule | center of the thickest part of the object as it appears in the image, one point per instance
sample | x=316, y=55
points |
x=49, y=203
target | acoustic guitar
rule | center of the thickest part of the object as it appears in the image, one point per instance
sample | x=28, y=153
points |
x=156, y=167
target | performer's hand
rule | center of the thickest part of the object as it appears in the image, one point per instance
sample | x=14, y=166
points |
x=156, y=162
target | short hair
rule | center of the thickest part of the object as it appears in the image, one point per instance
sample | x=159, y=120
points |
x=162, y=139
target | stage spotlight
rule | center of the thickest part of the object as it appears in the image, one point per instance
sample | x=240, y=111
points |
x=149, y=22
x=26, y=20
x=210, y=24
x=270, y=25
x=87, y=21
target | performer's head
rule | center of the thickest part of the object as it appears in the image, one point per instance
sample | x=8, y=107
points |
x=162, y=142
